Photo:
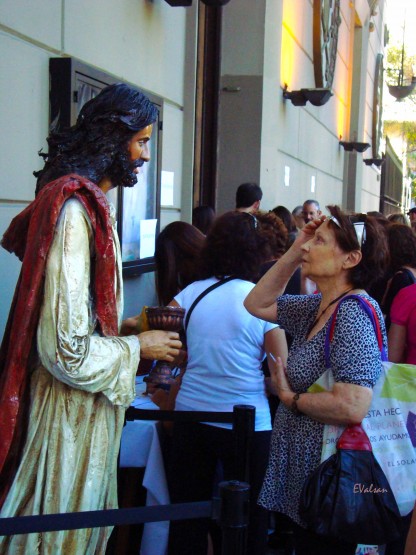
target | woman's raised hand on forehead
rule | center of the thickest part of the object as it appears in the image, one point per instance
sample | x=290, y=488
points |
x=313, y=225
x=308, y=231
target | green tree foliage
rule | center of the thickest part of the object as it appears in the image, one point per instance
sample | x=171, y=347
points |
x=407, y=130
x=394, y=74
x=400, y=69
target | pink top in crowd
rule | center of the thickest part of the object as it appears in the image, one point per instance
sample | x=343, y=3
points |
x=403, y=313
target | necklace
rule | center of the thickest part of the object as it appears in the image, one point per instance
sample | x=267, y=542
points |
x=326, y=308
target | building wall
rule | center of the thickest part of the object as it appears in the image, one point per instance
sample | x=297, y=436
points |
x=262, y=137
x=240, y=100
x=144, y=42
x=293, y=152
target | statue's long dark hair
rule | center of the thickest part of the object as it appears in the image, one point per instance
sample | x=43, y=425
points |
x=96, y=146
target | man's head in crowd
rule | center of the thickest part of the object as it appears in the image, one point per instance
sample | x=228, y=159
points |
x=311, y=210
x=248, y=197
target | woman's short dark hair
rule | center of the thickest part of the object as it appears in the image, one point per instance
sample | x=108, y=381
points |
x=178, y=247
x=374, y=248
x=234, y=246
x=96, y=146
x=275, y=232
x=247, y=194
x=402, y=246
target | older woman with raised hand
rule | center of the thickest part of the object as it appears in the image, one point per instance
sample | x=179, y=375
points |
x=341, y=257
x=226, y=347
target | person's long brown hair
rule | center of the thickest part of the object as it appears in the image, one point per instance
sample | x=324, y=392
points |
x=234, y=246
x=178, y=247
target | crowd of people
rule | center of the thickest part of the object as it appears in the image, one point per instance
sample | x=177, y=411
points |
x=338, y=255
x=255, y=281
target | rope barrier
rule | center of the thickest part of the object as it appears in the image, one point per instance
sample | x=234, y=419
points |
x=242, y=418
x=179, y=415
x=231, y=508
x=109, y=517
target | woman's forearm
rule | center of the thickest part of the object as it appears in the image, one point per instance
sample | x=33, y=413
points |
x=345, y=404
x=261, y=301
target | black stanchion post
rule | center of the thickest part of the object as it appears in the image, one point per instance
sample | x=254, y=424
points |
x=233, y=516
x=243, y=426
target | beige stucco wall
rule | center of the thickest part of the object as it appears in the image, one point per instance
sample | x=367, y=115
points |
x=152, y=45
x=301, y=141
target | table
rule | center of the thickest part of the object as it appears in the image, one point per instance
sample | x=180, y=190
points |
x=140, y=447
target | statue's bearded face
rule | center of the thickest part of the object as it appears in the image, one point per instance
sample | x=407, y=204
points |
x=139, y=148
x=125, y=168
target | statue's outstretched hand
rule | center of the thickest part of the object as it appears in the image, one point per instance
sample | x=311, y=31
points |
x=159, y=345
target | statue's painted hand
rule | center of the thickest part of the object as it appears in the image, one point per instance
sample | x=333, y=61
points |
x=159, y=345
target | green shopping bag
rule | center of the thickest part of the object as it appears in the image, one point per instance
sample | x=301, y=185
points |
x=390, y=422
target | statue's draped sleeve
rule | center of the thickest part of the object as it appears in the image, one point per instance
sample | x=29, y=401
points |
x=68, y=346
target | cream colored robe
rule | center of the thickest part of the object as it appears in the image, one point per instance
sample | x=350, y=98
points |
x=79, y=393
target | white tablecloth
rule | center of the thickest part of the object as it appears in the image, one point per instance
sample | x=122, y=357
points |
x=140, y=447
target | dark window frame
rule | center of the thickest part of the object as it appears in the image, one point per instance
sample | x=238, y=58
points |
x=66, y=75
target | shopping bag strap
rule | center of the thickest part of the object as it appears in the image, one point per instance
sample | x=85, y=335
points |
x=372, y=314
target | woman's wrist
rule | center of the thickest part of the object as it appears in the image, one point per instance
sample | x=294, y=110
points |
x=286, y=397
x=294, y=405
x=290, y=400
